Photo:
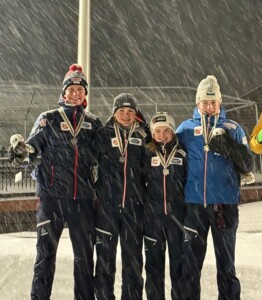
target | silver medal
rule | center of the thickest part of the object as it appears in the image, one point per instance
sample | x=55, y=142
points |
x=122, y=159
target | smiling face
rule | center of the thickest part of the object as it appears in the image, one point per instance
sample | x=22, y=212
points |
x=125, y=116
x=163, y=134
x=209, y=107
x=75, y=95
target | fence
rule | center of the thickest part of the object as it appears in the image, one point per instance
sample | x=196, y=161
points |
x=19, y=115
x=8, y=186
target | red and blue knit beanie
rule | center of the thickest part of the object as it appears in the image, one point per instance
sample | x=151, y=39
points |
x=74, y=76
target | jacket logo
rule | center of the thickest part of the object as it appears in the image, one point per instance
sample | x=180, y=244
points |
x=43, y=231
x=198, y=131
x=230, y=125
x=114, y=142
x=155, y=161
x=86, y=125
x=177, y=161
x=244, y=140
x=64, y=126
x=135, y=141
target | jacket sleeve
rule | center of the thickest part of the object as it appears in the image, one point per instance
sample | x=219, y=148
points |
x=238, y=153
x=38, y=135
x=255, y=146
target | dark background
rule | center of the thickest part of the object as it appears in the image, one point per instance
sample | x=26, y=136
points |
x=135, y=43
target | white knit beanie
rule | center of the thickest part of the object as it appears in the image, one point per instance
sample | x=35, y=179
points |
x=208, y=89
x=162, y=119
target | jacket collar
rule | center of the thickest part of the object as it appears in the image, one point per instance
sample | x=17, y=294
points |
x=221, y=117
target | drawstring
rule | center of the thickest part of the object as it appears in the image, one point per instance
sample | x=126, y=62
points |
x=125, y=164
x=76, y=155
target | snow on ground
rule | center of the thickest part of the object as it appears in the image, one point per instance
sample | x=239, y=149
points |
x=17, y=254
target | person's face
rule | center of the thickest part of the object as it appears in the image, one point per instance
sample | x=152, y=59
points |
x=163, y=134
x=75, y=94
x=125, y=116
x=209, y=107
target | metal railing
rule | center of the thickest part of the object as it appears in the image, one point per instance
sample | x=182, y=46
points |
x=8, y=186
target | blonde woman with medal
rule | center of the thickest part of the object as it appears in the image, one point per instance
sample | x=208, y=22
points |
x=166, y=168
x=119, y=148
x=63, y=137
x=218, y=154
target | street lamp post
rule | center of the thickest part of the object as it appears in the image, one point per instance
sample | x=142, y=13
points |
x=84, y=41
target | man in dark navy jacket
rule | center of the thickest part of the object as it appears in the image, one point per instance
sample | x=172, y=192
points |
x=119, y=147
x=63, y=137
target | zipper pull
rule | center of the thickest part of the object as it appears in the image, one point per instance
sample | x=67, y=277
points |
x=163, y=148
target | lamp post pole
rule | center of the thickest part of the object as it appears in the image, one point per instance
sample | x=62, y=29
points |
x=84, y=41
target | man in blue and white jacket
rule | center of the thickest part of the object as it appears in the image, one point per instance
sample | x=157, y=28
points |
x=218, y=154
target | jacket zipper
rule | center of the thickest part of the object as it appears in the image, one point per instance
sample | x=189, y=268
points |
x=205, y=166
x=76, y=156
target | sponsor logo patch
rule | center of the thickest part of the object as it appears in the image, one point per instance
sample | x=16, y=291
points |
x=177, y=161
x=64, y=126
x=43, y=231
x=86, y=125
x=244, y=140
x=155, y=161
x=198, y=130
x=76, y=80
x=114, y=142
x=135, y=141
x=230, y=125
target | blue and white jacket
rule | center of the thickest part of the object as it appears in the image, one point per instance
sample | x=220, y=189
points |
x=212, y=178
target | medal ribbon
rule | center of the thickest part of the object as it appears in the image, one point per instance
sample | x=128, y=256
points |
x=74, y=131
x=207, y=135
x=123, y=151
x=165, y=163
x=207, y=138
x=121, y=148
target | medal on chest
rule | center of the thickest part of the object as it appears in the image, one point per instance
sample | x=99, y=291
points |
x=122, y=145
x=74, y=131
x=166, y=160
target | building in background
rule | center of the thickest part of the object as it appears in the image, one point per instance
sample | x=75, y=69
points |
x=135, y=45
x=158, y=50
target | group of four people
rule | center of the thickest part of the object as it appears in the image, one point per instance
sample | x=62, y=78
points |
x=132, y=182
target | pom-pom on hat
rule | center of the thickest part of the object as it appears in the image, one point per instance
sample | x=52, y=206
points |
x=125, y=100
x=74, y=76
x=208, y=89
x=162, y=119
